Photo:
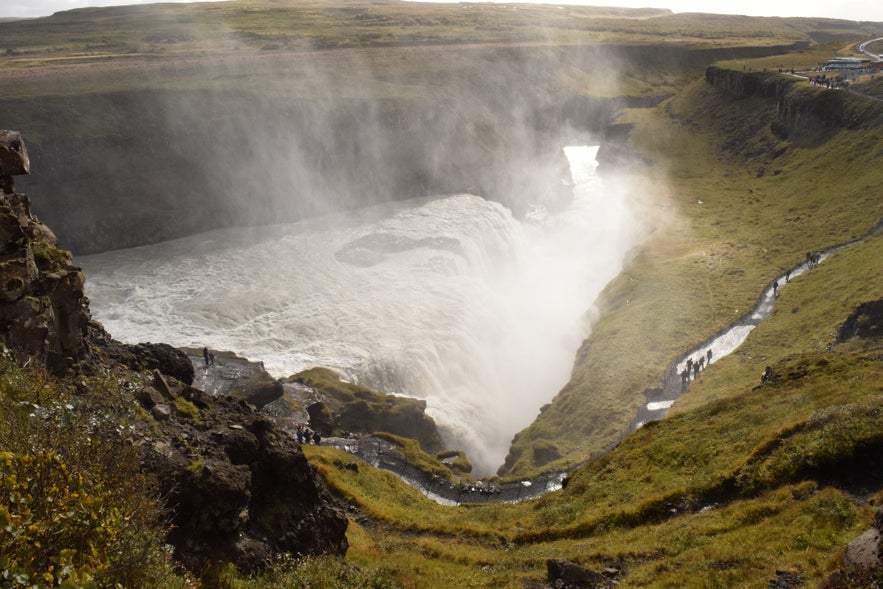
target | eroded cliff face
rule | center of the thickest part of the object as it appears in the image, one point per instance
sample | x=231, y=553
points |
x=261, y=144
x=43, y=311
x=237, y=488
x=803, y=112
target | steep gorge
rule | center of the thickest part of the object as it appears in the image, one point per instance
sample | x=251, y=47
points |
x=130, y=161
x=756, y=138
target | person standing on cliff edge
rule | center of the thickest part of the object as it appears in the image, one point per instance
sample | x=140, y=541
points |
x=205, y=355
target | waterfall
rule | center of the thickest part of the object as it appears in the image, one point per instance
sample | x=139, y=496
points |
x=450, y=299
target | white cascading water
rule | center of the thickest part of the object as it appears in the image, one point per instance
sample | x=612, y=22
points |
x=449, y=299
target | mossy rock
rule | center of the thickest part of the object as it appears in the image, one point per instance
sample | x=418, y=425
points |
x=456, y=460
x=15, y=279
x=545, y=452
x=354, y=408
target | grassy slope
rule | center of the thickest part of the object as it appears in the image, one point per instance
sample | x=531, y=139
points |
x=764, y=465
x=760, y=459
x=740, y=482
x=765, y=202
x=186, y=30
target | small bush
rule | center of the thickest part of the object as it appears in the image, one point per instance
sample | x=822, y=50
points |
x=187, y=408
x=53, y=531
x=75, y=510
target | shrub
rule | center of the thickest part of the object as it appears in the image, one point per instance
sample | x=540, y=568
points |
x=53, y=529
x=75, y=511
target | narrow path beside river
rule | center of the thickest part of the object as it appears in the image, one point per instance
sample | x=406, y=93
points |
x=659, y=401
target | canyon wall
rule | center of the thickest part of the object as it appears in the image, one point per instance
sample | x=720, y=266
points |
x=185, y=150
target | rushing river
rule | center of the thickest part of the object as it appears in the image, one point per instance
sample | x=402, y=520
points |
x=450, y=299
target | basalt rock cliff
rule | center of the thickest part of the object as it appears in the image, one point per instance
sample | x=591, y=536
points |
x=43, y=310
x=159, y=162
x=237, y=488
x=802, y=112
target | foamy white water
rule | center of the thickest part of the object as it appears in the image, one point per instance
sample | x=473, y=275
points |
x=449, y=299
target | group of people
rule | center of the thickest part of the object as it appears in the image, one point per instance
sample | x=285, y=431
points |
x=694, y=367
x=305, y=436
x=835, y=83
x=813, y=259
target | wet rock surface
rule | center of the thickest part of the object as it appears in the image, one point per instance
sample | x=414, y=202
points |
x=225, y=373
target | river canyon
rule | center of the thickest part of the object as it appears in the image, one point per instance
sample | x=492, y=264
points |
x=451, y=299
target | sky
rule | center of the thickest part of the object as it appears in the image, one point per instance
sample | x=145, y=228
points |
x=846, y=9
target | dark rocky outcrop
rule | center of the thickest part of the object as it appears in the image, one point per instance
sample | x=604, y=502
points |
x=234, y=376
x=744, y=84
x=568, y=575
x=345, y=408
x=238, y=489
x=14, y=160
x=803, y=112
x=147, y=357
x=43, y=311
x=865, y=321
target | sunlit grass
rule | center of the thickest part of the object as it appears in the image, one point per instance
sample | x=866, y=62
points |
x=731, y=206
x=176, y=31
x=730, y=492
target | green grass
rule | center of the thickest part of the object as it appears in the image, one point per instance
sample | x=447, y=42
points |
x=739, y=481
x=146, y=32
x=359, y=409
x=728, y=493
x=765, y=201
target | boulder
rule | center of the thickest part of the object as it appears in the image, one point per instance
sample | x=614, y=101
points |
x=13, y=159
x=161, y=412
x=865, y=321
x=149, y=397
x=257, y=391
x=568, y=575
x=320, y=418
x=863, y=553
